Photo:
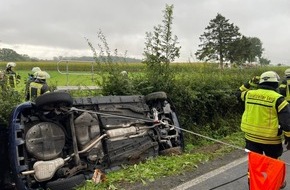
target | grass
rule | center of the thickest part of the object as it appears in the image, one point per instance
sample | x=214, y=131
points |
x=163, y=166
x=57, y=79
x=62, y=79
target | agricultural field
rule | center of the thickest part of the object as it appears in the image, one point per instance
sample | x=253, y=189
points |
x=89, y=73
x=59, y=75
x=88, y=68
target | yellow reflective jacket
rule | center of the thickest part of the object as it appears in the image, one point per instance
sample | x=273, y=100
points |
x=260, y=118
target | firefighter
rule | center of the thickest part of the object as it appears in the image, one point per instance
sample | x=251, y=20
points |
x=285, y=84
x=31, y=78
x=11, y=78
x=266, y=116
x=38, y=86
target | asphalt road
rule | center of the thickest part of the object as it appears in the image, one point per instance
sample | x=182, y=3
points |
x=232, y=176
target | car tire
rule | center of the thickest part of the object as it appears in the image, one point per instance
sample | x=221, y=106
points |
x=156, y=96
x=51, y=100
x=67, y=183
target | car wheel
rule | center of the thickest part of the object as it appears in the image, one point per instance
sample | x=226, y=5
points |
x=155, y=96
x=51, y=100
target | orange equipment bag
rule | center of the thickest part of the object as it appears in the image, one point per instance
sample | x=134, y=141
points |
x=265, y=173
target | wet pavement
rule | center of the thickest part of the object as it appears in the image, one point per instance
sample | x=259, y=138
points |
x=228, y=177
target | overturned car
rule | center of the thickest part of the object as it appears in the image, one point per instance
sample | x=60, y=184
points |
x=58, y=141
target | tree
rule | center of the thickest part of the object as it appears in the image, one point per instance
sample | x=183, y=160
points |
x=217, y=40
x=239, y=50
x=264, y=61
x=11, y=55
x=245, y=49
x=256, y=49
x=161, y=48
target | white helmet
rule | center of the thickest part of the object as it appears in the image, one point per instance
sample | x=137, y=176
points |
x=35, y=69
x=287, y=72
x=124, y=73
x=42, y=75
x=11, y=64
x=269, y=76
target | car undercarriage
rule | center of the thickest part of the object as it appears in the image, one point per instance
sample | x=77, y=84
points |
x=57, y=142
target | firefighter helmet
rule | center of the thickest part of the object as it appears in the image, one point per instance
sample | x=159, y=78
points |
x=35, y=69
x=287, y=72
x=124, y=73
x=269, y=76
x=10, y=64
x=42, y=75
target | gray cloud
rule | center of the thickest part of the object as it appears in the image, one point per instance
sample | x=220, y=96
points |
x=57, y=28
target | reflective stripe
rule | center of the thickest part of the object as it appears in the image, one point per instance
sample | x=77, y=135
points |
x=243, y=95
x=287, y=134
x=287, y=97
x=263, y=140
x=282, y=105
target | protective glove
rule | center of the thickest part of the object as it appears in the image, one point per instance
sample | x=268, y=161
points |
x=254, y=81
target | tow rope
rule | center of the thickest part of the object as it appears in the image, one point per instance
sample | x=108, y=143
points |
x=209, y=138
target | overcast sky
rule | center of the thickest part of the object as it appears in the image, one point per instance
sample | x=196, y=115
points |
x=49, y=28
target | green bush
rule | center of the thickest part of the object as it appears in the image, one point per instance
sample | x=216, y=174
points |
x=9, y=98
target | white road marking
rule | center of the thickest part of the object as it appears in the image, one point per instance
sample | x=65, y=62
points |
x=211, y=174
